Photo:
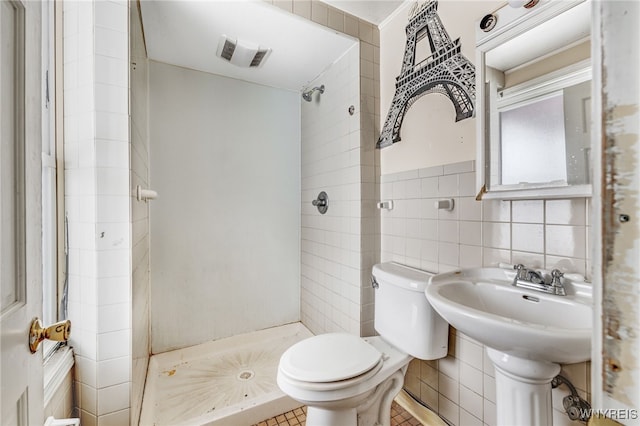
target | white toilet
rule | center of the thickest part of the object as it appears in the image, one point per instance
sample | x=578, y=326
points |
x=348, y=380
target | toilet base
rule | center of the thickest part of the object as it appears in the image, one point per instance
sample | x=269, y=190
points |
x=317, y=416
x=373, y=409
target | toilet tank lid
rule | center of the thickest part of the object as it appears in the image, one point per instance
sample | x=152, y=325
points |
x=401, y=276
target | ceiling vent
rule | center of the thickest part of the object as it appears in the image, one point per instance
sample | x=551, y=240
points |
x=241, y=53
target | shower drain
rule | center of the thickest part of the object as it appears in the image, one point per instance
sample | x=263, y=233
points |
x=245, y=375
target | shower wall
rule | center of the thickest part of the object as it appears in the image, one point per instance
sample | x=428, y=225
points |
x=139, y=175
x=330, y=253
x=331, y=243
x=225, y=229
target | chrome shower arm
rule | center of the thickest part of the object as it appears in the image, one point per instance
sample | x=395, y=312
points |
x=306, y=95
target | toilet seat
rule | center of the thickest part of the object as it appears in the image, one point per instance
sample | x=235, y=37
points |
x=333, y=386
x=330, y=361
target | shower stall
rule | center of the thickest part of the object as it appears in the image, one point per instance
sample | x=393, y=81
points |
x=224, y=231
x=232, y=261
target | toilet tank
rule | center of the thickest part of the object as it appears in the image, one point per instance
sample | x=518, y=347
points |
x=403, y=315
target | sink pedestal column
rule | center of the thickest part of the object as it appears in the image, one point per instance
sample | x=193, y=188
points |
x=523, y=390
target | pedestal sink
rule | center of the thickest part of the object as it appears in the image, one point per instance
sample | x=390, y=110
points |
x=528, y=334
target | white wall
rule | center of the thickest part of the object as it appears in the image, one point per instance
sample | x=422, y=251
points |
x=338, y=152
x=430, y=135
x=139, y=154
x=331, y=248
x=97, y=200
x=225, y=229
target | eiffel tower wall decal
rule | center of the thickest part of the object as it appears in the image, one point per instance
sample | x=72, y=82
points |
x=445, y=71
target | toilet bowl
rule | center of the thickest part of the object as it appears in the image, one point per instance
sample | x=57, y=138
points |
x=348, y=380
x=356, y=376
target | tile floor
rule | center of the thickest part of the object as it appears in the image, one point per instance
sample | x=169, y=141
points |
x=399, y=417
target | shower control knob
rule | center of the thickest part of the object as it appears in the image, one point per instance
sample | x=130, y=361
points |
x=322, y=202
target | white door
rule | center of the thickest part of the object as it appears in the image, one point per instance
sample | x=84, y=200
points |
x=20, y=211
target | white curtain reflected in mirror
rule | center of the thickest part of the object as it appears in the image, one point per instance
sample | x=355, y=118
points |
x=577, y=116
x=547, y=140
x=533, y=146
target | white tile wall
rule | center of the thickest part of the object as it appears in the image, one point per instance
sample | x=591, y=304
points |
x=541, y=233
x=354, y=158
x=97, y=201
x=330, y=243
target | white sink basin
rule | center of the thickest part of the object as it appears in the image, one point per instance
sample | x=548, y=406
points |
x=483, y=304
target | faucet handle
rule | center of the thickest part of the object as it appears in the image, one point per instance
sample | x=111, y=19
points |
x=556, y=274
x=521, y=273
x=556, y=282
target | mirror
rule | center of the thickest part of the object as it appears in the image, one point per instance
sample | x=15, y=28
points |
x=534, y=77
x=543, y=136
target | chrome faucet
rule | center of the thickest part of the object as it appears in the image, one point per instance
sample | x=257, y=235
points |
x=535, y=280
x=535, y=277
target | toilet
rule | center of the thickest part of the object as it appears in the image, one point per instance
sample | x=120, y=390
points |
x=348, y=380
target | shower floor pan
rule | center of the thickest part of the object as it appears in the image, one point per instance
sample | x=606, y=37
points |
x=230, y=381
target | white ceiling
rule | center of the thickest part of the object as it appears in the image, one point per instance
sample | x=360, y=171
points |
x=186, y=33
x=374, y=11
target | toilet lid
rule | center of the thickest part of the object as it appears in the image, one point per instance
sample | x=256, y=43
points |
x=328, y=358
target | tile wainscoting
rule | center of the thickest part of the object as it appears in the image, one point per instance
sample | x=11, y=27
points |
x=543, y=234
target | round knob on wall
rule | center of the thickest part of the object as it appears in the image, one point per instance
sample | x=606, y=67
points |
x=322, y=202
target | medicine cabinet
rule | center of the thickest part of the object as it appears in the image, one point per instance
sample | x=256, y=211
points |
x=533, y=73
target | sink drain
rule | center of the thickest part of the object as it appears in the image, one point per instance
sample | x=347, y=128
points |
x=245, y=375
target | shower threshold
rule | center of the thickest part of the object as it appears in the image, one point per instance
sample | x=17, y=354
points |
x=230, y=381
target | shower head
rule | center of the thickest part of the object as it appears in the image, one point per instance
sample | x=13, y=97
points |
x=306, y=95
